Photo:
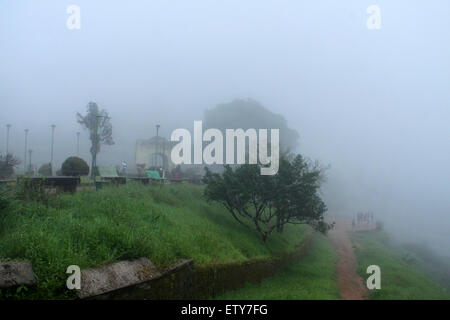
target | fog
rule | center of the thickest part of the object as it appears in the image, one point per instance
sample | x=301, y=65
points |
x=373, y=104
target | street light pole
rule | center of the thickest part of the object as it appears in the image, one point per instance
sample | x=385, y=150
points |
x=29, y=167
x=8, y=126
x=157, y=146
x=51, y=152
x=25, y=155
x=78, y=144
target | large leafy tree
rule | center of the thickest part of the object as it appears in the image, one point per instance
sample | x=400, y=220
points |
x=267, y=203
x=248, y=113
x=100, y=129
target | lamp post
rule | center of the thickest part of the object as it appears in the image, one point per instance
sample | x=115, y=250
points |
x=8, y=126
x=25, y=153
x=51, y=152
x=29, y=166
x=157, y=145
x=78, y=144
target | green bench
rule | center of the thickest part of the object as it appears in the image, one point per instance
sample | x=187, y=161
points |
x=109, y=174
x=154, y=175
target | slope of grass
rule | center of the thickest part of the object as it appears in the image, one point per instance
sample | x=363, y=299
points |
x=400, y=279
x=428, y=260
x=91, y=228
x=314, y=277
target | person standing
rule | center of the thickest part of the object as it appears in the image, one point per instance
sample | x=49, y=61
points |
x=124, y=168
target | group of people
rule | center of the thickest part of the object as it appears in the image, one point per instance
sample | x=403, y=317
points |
x=362, y=218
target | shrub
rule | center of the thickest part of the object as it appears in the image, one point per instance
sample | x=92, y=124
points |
x=31, y=189
x=74, y=166
x=45, y=170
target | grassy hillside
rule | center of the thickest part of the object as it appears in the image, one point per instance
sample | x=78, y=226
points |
x=314, y=277
x=91, y=228
x=400, y=279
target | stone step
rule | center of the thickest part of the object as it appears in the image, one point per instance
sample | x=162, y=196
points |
x=16, y=273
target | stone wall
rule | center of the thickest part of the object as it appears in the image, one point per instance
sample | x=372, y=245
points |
x=186, y=281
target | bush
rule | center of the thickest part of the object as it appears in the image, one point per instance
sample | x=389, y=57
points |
x=31, y=189
x=45, y=170
x=74, y=166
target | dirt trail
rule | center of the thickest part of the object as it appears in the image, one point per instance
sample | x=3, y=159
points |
x=351, y=285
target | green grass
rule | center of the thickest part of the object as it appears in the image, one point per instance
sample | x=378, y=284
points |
x=400, y=279
x=314, y=277
x=92, y=228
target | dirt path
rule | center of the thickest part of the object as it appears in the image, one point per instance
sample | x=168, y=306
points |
x=351, y=285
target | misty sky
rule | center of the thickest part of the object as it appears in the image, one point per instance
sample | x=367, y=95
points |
x=374, y=104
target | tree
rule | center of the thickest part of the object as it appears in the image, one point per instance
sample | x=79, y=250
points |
x=7, y=164
x=267, y=203
x=45, y=170
x=74, y=166
x=100, y=129
x=247, y=114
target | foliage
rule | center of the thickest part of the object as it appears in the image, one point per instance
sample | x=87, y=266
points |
x=247, y=114
x=268, y=202
x=7, y=164
x=91, y=228
x=31, y=189
x=4, y=200
x=45, y=170
x=423, y=256
x=401, y=278
x=74, y=166
x=99, y=126
x=313, y=277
